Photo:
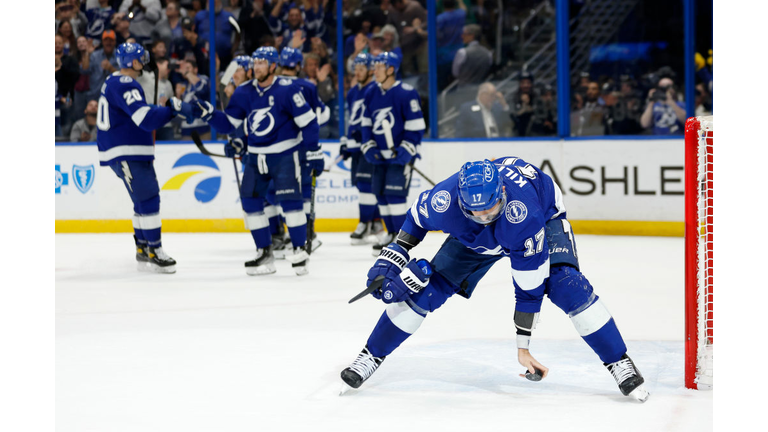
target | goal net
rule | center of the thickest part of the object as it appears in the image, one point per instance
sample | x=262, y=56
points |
x=698, y=252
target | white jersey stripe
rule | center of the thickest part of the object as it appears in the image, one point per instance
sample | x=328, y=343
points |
x=531, y=279
x=139, y=115
x=126, y=150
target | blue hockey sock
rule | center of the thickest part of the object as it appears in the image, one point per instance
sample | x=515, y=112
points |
x=396, y=324
x=262, y=237
x=607, y=343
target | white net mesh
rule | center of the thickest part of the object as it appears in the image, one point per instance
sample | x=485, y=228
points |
x=705, y=255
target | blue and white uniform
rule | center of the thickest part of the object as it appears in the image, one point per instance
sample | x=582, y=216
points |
x=531, y=231
x=362, y=170
x=276, y=119
x=395, y=113
x=125, y=123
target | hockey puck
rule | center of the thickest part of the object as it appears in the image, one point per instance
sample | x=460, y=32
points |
x=533, y=376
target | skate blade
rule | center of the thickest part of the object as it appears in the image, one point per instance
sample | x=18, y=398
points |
x=359, y=242
x=261, y=270
x=279, y=254
x=164, y=270
x=301, y=271
x=640, y=394
x=144, y=267
x=297, y=258
x=344, y=389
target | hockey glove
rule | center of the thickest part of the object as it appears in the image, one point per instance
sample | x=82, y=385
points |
x=204, y=110
x=343, y=151
x=412, y=279
x=234, y=148
x=392, y=259
x=404, y=154
x=316, y=161
x=371, y=153
x=179, y=107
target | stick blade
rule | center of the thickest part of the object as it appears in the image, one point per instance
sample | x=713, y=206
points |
x=375, y=285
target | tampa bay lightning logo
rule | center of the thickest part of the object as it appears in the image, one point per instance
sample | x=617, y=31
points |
x=379, y=116
x=388, y=295
x=356, y=115
x=207, y=189
x=261, y=122
x=441, y=201
x=516, y=212
x=83, y=177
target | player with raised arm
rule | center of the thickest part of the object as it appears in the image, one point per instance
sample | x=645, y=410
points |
x=391, y=131
x=276, y=119
x=125, y=122
x=361, y=169
x=491, y=210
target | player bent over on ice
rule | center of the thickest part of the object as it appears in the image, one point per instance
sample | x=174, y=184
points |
x=491, y=210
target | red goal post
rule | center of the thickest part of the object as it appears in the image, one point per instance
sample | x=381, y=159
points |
x=699, y=252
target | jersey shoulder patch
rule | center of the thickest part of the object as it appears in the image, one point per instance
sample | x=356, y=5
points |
x=406, y=87
x=284, y=82
x=126, y=79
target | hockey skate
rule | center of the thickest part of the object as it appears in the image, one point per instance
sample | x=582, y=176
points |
x=142, y=259
x=359, y=236
x=279, y=243
x=263, y=264
x=377, y=231
x=361, y=369
x=299, y=260
x=158, y=261
x=628, y=378
x=385, y=240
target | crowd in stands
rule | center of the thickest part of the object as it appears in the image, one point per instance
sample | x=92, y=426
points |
x=176, y=33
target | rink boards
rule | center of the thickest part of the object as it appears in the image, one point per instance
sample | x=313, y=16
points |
x=625, y=187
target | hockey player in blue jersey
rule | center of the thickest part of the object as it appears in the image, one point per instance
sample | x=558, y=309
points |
x=312, y=157
x=508, y=208
x=361, y=169
x=125, y=123
x=391, y=131
x=276, y=119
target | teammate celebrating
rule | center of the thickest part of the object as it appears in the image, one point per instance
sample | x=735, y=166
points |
x=509, y=208
x=125, y=123
x=362, y=170
x=313, y=162
x=274, y=115
x=392, y=126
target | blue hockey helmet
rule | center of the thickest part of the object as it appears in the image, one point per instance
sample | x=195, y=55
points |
x=481, y=189
x=363, y=59
x=127, y=52
x=290, y=57
x=244, y=62
x=267, y=53
x=389, y=59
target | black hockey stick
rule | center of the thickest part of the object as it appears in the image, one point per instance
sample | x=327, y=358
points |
x=199, y=143
x=375, y=285
x=423, y=176
x=311, y=221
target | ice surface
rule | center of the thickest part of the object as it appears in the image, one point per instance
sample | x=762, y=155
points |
x=212, y=349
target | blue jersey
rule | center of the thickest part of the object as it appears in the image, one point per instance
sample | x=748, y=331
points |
x=401, y=107
x=519, y=233
x=309, y=90
x=356, y=106
x=125, y=121
x=276, y=118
